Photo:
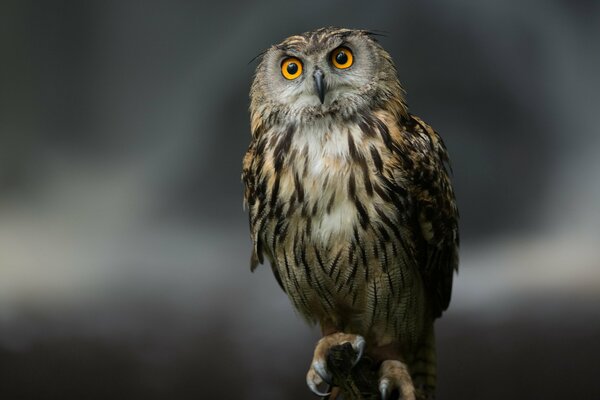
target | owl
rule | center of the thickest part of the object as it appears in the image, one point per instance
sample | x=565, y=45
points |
x=350, y=201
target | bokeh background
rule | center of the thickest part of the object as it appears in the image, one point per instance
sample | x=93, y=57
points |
x=124, y=249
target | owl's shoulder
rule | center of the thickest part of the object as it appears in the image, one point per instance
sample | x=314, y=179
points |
x=420, y=141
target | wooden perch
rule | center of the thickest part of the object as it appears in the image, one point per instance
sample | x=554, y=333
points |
x=356, y=383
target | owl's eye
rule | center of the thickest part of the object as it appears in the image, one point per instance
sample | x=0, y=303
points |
x=291, y=68
x=342, y=58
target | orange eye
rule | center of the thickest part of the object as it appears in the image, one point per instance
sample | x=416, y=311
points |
x=291, y=68
x=342, y=58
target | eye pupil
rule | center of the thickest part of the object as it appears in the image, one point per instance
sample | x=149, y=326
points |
x=292, y=68
x=341, y=57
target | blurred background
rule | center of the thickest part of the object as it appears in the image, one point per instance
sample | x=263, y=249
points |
x=124, y=250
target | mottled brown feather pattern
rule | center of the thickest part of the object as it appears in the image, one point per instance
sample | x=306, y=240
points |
x=351, y=201
x=398, y=212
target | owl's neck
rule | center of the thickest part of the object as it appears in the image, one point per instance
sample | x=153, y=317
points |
x=323, y=137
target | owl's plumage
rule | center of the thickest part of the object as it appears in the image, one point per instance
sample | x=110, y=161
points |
x=349, y=195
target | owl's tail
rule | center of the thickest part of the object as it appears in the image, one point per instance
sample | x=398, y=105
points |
x=423, y=366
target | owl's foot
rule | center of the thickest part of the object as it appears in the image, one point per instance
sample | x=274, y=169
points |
x=394, y=375
x=318, y=373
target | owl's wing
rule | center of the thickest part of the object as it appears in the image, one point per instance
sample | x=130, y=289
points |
x=436, y=212
x=251, y=199
x=254, y=201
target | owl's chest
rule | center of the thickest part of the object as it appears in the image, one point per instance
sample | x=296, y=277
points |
x=320, y=156
x=323, y=164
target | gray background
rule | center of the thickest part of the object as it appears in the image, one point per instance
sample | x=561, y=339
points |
x=123, y=244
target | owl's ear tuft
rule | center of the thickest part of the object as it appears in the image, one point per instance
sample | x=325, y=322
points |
x=374, y=34
x=258, y=56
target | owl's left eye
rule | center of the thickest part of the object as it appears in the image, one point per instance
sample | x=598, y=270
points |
x=291, y=68
x=342, y=58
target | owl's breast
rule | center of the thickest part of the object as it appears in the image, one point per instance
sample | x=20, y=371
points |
x=324, y=168
x=332, y=223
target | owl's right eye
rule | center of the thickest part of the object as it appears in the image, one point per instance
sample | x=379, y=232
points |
x=291, y=68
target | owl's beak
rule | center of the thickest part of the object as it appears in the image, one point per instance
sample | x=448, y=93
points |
x=318, y=75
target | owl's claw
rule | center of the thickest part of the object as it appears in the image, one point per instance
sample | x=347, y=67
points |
x=318, y=372
x=313, y=380
x=321, y=370
x=359, y=347
x=393, y=375
x=384, y=385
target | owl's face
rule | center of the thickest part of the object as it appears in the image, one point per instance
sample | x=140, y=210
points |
x=323, y=71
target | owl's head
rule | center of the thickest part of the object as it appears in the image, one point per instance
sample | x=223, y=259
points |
x=323, y=72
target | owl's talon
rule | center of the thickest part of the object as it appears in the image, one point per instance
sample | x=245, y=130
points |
x=318, y=372
x=313, y=380
x=320, y=369
x=383, y=388
x=358, y=346
x=394, y=375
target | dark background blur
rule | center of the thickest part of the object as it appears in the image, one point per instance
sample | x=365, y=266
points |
x=124, y=248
